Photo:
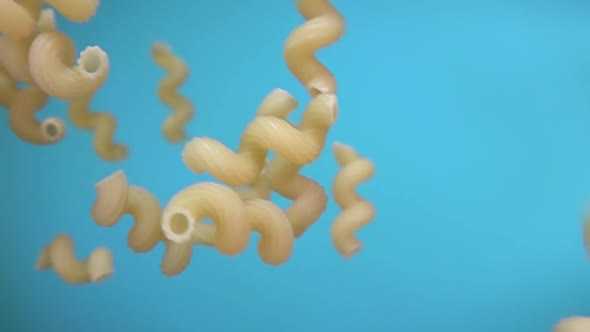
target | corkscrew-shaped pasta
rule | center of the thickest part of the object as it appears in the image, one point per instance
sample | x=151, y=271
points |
x=357, y=212
x=51, y=63
x=233, y=222
x=14, y=52
x=573, y=324
x=324, y=27
x=115, y=198
x=183, y=109
x=60, y=255
x=78, y=11
x=16, y=19
x=8, y=88
x=104, y=126
x=22, y=121
x=300, y=146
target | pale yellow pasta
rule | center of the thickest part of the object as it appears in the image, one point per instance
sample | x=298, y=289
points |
x=24, y=124
x=182, y=222
x=52, y=66
x=324, y=27
x=78, y=11
x=115, y=198
x=182, y=108
x=16, y=19
x=8, y=88
x=104, y=126
x=357, y=212
x=14, y=52
x=47, y=21
x=573, y=324
x=266, y=132
x=60, y=255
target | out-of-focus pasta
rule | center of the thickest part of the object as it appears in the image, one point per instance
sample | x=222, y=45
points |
x=22, y=120
x=573, y=324
x=60, y=255
x=16, y=19
x=182, y=108
x=324, y=27
x=8, y=88
x=115, y=198
x=357, y=212
x=79, y=11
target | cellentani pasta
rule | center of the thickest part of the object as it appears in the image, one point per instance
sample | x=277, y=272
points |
x=233, y=219
x=356, y=212
x=79, y=11
x=102, y=123
x=54, y=68
x=60, y=256
x=324, y=27
x=299, y=145
x=22, y=120
x=8, y=88
x=573, y=324
x=16, y=19
x=182, y=108
x=115, y=198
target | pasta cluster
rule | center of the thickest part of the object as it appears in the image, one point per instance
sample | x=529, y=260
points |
x=239, y=204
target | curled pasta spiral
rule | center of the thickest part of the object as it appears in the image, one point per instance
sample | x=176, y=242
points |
x=22, y=121
x=115, y=198
x=104, y=126
x=51, y=63
x=300, y=146
x=177, y=74
x=573, y=324
x=78, y=11
x=357, y=212
x=60, y=255
x=233, y=218
x=17, y=19
x=324, y=27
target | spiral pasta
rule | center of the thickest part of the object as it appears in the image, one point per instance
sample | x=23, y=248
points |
x=324, y=27
x=60, y=255
x=233, y=222
x=115, y=198
x=183, y=109
x=104, y=126
x=8, y=88
x=16, y=19
x=357, y=212
x=14, y=52
x=300, y=146
x=78, y=11
x=23, y=123
x=51, y=63
x=573, y=324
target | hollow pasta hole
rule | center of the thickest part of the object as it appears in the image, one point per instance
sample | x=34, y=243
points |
x=92, y=61
x=51, y=130
x=179, y=224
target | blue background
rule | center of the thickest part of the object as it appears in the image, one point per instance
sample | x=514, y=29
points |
x=476, y=114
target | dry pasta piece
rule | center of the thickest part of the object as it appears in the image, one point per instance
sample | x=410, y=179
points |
x=8, y=88
x=14, y=52
x=357, y=212
x=266, y=132
x=79, y=11
x=16, y=19
x=23, y=123
x=183, y=109
x=51, y=63
x=115, y=198
x=324, y=27
x=573, y=324
x=60, y=255
x=104, y=126
x=233, y=222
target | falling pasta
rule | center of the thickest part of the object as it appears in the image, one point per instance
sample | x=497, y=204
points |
x=60, y=256
x=183, y=109
x=357, y=212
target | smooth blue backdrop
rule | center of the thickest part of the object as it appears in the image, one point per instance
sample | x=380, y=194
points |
x=476, y=114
